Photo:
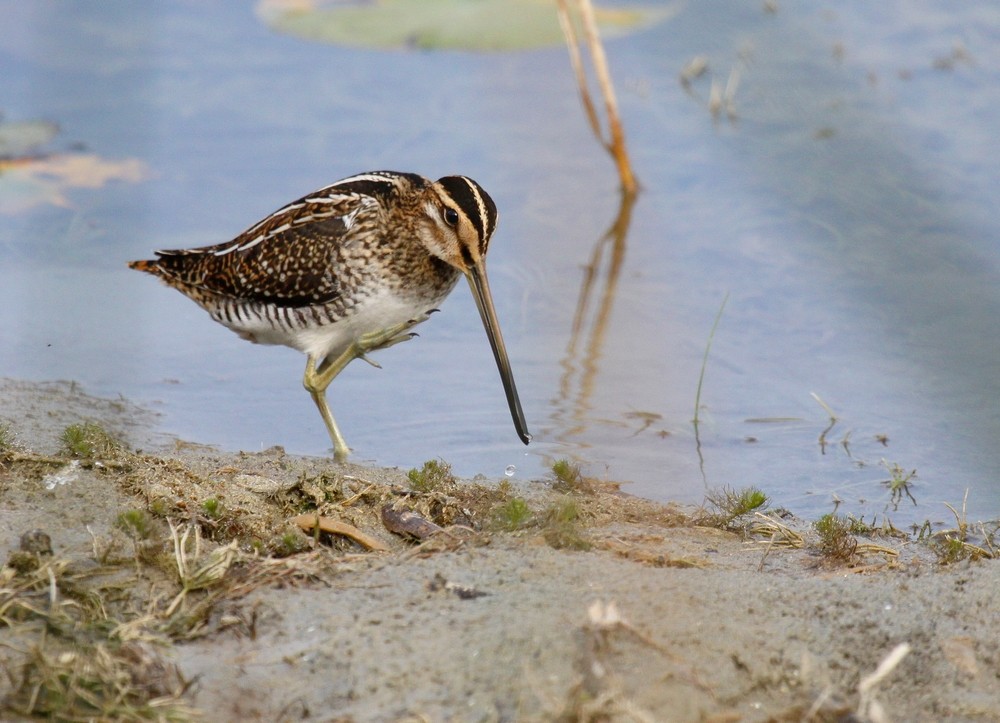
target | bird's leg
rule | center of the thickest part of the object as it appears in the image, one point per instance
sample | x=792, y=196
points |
x=318, y=378
x=316, y=381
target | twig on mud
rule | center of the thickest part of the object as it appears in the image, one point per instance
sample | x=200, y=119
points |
x=870, y=709
x=310, y=521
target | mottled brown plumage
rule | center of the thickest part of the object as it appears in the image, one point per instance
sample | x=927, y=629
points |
x=346, y=270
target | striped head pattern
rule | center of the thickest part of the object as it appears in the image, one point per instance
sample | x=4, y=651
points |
x=462, y=218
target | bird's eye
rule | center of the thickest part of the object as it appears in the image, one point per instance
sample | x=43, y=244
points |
x=451, y=216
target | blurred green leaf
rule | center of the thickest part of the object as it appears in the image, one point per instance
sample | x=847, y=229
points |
x=18, y=138
x=476, y=25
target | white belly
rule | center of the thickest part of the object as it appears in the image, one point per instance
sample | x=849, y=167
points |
x=298, y=328
x=376, y=313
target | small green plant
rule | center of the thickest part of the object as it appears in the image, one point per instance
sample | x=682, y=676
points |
x=874, y=529
x=212, y=508
x=569, y=478
x=734, y=504
x=561, y=529
x=858, y=526
x=6, y=438
x=954, y=545
x=512, y=515
x=290, y=542
x=950, y=550
x=922, y=532
x=565, y=471
x=137, y=524
x=159, y=506
x=835, y=538
x=433, y=475
x=87, y=441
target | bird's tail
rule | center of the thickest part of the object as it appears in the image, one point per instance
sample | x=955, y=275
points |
x=149, y=266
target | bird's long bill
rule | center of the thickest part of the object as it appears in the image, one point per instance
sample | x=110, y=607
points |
x=481, y=293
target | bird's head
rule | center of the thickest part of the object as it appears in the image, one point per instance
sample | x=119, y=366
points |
x=459, y=219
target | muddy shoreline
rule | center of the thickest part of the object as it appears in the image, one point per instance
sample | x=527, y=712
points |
x=182, y=567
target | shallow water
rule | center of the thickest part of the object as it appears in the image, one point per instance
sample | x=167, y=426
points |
x=845, y=216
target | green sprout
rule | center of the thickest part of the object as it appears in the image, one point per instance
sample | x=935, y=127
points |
x=835, y=538
x=514, y=514
x=87, y=440
x=734, y=504
x=433, y=475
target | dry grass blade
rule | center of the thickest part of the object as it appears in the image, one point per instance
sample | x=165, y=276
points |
x=869, y=709
x=99, y=682
x=616, y=144
x=954, y=545
x=833, y=420
x=704, y=360
x=573, y=45
x=196, y=572
x=870, y=548
x=777, y=533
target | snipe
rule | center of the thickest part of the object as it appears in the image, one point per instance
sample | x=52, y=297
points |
x=346, y=270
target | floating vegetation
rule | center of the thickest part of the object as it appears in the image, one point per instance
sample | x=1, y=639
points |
x=692, y=70
x=30, y=176
x=833, y=421
x=898, y=483
x=481, y=26
x=20, y=139
x=646, y=419
x=28, y=183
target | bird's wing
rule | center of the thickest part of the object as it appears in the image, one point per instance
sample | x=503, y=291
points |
x=291, y=258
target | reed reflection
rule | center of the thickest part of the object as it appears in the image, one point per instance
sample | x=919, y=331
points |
x=580, y=364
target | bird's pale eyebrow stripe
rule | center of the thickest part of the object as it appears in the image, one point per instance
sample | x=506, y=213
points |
x=481, y=207
x=488, y=219
x=475, y=204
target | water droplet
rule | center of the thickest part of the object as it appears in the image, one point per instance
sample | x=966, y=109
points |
x=510, y=470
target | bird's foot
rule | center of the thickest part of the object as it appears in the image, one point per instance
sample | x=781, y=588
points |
x=385, y=338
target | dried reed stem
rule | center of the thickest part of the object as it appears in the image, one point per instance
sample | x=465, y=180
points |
x=616, y=144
